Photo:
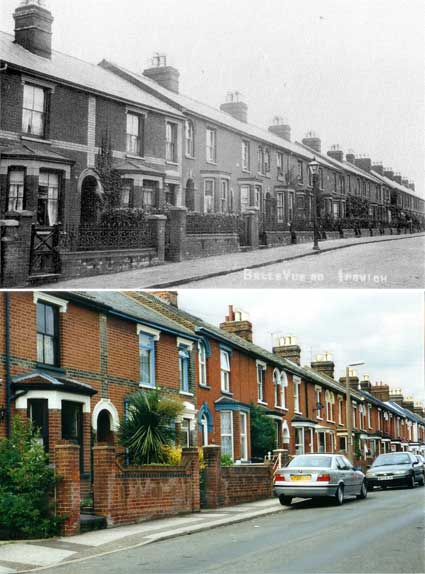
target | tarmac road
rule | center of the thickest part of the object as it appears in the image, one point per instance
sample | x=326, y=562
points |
x=384, y=533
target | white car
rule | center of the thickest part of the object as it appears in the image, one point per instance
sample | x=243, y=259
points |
x=311, y=475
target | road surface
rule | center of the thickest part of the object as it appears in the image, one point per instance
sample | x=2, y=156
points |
x=384, y=533
x=386, y=265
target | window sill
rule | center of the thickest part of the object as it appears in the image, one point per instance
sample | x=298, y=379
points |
x=189, y=156
x=281, y=408
x=211, y=162
x=205, y=387
x=145, y=386
x=52, y=368
x=247, y=171
x=226, y=393
x=169, y=162
x=262, y=403
x=133, y=156
x=186, y=393
x=36, y=139
x=298, y=412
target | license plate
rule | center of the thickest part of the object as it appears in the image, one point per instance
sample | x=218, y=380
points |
x=301, y=477
x=385, y=477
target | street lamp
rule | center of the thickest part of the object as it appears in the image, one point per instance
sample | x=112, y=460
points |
x=314, y=168
x=349, y=422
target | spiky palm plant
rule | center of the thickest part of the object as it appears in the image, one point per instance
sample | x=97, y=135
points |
x=149, y=426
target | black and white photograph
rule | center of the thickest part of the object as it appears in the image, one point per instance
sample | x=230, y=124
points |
x=212, y=286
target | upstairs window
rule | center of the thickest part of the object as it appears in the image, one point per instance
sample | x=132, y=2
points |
x=202, y=358
x=134, y=134
x=190, y=139
x=147, y=359
x=267, y=161
x=260, y=160
x=261, y=376
x=318, y=402
x=34, y=111
x=47, y=334
x=16, y=190
x=339, y=410
x=171, y=142
x=279, y=163
x=211, y=145
x=225, y=370
x=245, y=155
x=297, y=396
x=184, y=368
x=300, y=171
x=48, y=198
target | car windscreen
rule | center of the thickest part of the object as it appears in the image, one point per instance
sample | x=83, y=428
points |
x=311, y=461
x=389, y=459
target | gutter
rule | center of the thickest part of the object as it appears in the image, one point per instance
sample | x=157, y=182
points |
x=8, y=373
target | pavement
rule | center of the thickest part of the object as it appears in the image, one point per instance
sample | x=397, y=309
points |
x=382, y=534
x=37, y=555
x=175, y=274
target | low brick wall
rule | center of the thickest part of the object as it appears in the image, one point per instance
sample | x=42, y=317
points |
x=246, y=483
x=278, y=237
x=394, y=230
x=226, y=486
x=348, y=233
x=89, y=263
x=364, y=232
x=304, y=236
x=333, y=235
x=205, y=245
x=132, y=494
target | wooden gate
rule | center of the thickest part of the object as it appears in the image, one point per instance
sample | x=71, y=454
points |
x=44, y=253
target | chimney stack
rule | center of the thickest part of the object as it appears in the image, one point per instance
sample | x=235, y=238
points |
x=397, y=177
x=418, y=409
x=237, y=322
x=409, y=404
x=365, y=384
x=313, y=141
x=388, y=172
x=378, y=168
x=288, y=348
x=324, y=364
x=411, y=185
x=280, y=128
x=380, y=391
x=363, y=163
x=405, y=181
x=235, y=107
x=33, y=27
x=350, y=157
x=353, y=380
x=165, y=76
x=336, y=153
x=169, y=297
x=396, y=396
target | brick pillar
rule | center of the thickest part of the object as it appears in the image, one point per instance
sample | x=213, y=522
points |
x=55, y=430
x=190, y=459
x=212, y=458
x=177, y=232
x=236, y=435
x=67, y=462
x=157, y=227
x=16, y=245
x=251, y=218
x=103, y=481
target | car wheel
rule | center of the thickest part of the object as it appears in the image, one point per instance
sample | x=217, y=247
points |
x=422, y=481
x=384, y=487
x=411, y=481
x=339, y=495
x=363, y=491
x=285, y=500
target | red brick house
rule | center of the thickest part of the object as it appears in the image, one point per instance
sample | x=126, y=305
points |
x=69, y=361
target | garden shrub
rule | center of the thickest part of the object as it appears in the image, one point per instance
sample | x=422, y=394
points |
x=26, y=487
x=263, y=433
x=226, y=460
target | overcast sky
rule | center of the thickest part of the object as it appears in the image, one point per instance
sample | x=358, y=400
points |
x=351, y=70
x=384, y=329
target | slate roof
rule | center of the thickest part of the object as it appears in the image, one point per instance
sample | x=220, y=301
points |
x=117, y=303
x=76, y=72
x=43, y=380
x=345, y=165
x=188, y=104
x=30, y=150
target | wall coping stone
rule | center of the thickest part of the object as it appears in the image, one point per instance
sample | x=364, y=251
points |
x=18, y=214
x=9, y=223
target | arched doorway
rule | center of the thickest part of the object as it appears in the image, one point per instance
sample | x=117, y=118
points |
x=91, y=192
x=104, y=430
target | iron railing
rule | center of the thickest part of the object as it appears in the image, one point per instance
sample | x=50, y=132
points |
x=203, y=223
x=107, y=238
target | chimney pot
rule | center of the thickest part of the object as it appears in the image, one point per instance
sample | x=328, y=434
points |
x=313, y=141
x=280, y=128
x=235, y=107
x=165, y=76
x=237, y=322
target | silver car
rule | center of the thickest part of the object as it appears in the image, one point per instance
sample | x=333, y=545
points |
x=311, y=475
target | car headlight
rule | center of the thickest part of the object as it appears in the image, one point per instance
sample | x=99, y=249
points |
x=370, y=475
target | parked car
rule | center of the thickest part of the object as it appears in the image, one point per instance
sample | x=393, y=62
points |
x=311, y=475
x=395, y=469
x=421, y=460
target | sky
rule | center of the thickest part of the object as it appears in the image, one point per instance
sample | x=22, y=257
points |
x=352, y=71
x=384, y=329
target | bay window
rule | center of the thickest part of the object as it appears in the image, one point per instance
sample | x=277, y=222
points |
x=16, y=190
x=226, y=427
x=48, y=198
x=244, y=435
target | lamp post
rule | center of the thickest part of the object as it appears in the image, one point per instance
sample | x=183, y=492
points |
x=314, y=168
x=349, y=422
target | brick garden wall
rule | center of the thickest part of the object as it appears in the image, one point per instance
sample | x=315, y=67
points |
x=132, y=494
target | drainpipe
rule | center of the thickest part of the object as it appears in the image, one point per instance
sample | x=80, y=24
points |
x=7, y=349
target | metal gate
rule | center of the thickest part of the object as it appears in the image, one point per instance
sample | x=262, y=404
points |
x=44, y=253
